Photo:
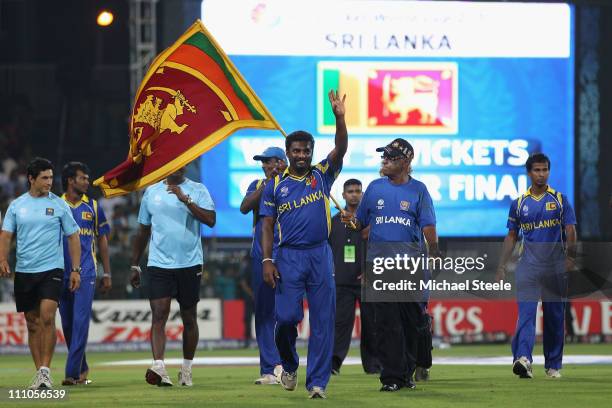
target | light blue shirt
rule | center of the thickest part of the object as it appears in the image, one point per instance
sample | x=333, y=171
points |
x=175, y=232
x=39, y=223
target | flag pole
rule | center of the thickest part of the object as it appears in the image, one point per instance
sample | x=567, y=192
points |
x=340, y=209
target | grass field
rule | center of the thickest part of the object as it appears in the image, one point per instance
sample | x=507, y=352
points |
x=587, y=386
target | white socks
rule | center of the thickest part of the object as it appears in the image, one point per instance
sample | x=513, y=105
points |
x=43, y=368
x=159, y=363
x=187, y=364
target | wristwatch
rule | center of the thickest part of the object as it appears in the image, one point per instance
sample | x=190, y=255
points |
x=189, y=200
x=77, y=270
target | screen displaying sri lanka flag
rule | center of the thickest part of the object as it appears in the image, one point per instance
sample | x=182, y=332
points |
x=475, y=87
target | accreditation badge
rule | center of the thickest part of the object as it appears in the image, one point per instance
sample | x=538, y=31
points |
x=349, y=254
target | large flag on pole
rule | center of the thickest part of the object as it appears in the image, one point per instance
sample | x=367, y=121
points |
x=191, y=98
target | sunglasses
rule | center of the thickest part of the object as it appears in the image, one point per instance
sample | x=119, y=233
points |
x=390, y=158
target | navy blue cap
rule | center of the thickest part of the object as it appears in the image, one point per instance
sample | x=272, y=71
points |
x=398, y=147
x=271, y=152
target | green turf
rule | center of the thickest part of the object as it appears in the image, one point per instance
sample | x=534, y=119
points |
x=456, y=386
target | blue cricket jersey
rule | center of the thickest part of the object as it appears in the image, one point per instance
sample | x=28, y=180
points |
x=92, y=223
x=256, y=251
x=540, y=222
x=39, y=223
x=396, y=213
x=300, y=205
x=175, y=232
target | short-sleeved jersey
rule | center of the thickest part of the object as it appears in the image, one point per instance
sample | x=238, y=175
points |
x=300, y=205
x=540, y=222
x=175, y=232
x=92, y=223
x=39, y=223
x=256, y=251
x=396, y=213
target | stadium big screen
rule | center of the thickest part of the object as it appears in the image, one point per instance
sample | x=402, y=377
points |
x=475, y=87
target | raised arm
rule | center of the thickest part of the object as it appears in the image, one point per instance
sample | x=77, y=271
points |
x=341, y=141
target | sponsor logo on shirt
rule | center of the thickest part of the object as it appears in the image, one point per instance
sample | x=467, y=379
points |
x=380, y=204
x=284, y=191
x=525, y=210
x=49, y=211
x=87, y=216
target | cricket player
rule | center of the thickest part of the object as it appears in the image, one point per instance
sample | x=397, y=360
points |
x=298, y=202
x=273, y=162
x=398, y=209
x=170, y=215
x=75, y=307
x=544, y=220
x=39, y=219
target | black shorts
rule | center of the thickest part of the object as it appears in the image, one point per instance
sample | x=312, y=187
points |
x=181, y=283
x=31, y=288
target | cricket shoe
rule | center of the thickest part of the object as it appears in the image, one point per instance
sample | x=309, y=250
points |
x=553, y=373
x=184, y=378
x=267, y=379
x=158, y=376
x=42, y=380
x=522, y=368
x=289, y=380
x=421, y=374
x=317, y=393
x=69, y=381
x=390, y=388
x=278, y=371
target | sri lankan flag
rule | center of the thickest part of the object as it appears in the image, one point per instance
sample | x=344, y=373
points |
x=191, y=99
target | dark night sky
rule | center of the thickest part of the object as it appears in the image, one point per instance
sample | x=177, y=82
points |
x=44, y=31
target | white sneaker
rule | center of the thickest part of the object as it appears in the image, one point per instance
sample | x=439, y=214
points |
x=267, y=379
x=35, y=381
x=317, y=393
x=158, y=376
x=522, y=368
x=184, y=377
x=289, y=380
x=278, y=371
x=45, y=379
x=553, y=373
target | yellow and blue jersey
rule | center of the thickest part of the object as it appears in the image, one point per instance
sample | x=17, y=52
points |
x=396, y=213
x=256, y=251
x=92, y=223
x=540, y=222
x=300, y=205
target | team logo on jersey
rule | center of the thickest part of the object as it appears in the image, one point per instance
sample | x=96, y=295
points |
x=49, y=211
x=284, y=191
x=380, y=204
x=404, y=205
x=551, y=206
x=311, y=181
x=525, y=209
x=87, y=216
